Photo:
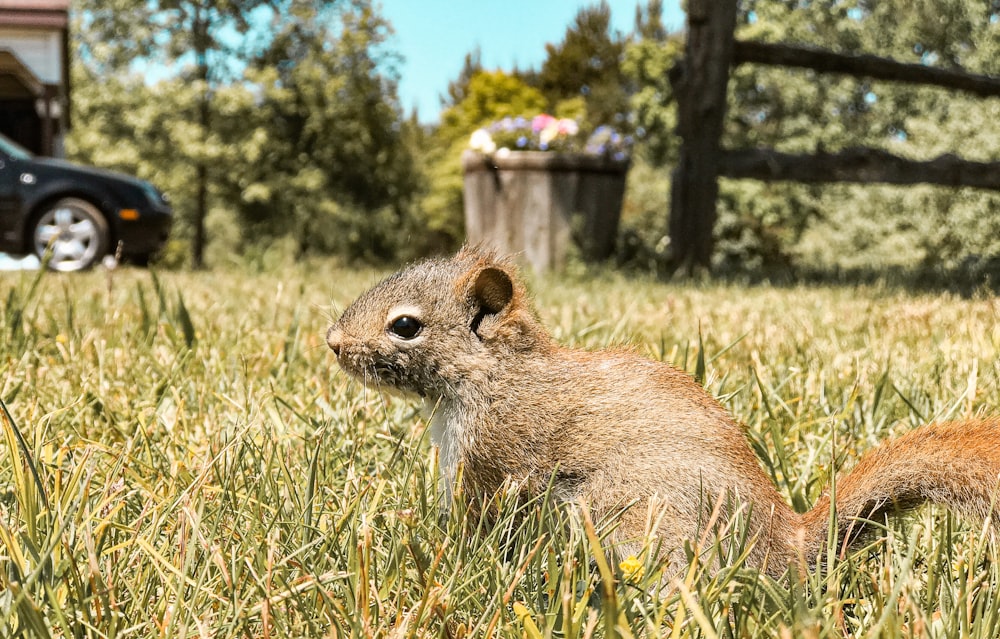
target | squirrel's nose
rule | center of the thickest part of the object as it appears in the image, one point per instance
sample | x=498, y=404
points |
x=334, y=337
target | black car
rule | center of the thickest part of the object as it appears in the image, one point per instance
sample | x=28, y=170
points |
x=80, y=213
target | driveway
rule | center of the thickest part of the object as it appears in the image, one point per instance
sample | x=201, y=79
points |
x=8, y=263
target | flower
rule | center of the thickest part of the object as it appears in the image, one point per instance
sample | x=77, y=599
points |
x=607, y=141
x=631, y=568
x=541, y=121
x=544, y=132
x=482, y=141
x=548, y=134
x=565, y=126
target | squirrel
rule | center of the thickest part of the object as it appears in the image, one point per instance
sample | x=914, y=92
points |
x=618, y=431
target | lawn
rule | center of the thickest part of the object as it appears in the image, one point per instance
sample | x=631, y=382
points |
x=181, y=457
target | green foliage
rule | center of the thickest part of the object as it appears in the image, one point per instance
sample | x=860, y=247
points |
x=181, y=457
x=304, y=144
x=647, y=64
x=303, y=135
x=489, y=96
x=327, y=150
x=206, y=42
x=459, y=87
x=587, y=64
x=643, y=226
x=122, y=123
x=930, y=233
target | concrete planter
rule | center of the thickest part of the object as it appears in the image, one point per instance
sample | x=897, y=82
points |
x=536, y=204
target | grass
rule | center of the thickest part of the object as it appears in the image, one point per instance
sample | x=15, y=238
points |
x=181, y=458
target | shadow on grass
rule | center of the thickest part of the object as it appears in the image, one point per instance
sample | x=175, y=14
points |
x=970, y=280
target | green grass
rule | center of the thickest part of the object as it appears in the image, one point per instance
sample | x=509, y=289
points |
x=182, y=458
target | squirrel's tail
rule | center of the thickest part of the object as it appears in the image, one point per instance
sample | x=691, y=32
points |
x=955, y=464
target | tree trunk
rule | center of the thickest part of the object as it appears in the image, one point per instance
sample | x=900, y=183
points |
x=201, y=168
x=201, y=205
x=699, y=83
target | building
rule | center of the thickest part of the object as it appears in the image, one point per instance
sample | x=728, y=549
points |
x=34, y=73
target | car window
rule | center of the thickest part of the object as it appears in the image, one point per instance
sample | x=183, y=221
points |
x=12, y=150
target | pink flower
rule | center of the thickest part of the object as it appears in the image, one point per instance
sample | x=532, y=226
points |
x=541, y=121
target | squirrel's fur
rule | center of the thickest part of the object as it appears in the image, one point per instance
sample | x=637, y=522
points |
x=613, y=428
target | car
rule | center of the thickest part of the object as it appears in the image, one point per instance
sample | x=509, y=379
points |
x=74, y=215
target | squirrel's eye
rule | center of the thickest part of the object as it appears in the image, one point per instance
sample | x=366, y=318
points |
x=406, y=327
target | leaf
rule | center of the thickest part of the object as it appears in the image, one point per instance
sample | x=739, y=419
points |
x=527, y=621
x=185, y=320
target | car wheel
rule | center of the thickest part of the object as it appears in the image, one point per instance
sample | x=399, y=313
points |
x=75, y=231
x=139, y=259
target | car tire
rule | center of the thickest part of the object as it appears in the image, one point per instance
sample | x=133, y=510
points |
x=76, y=232
x=139, y=259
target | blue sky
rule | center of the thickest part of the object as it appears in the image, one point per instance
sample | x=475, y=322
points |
x=434, y=35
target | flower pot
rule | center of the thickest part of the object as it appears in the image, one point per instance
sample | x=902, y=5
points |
x=536, y=205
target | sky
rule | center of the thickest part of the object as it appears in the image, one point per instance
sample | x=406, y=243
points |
x=433, y=37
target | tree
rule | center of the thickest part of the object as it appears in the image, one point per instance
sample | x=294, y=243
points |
x=207, y=40
x=296, y=131
x=649, y=22
x=459, y=87
x=647, y=62
x=330, y=125
x=923, y=228
x=587, y=64
x=489, y=96
x=649, y=56
x=122, y=123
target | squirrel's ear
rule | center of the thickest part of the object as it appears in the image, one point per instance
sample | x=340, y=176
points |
x=492, y=290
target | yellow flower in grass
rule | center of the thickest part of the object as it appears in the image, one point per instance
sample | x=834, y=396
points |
x=632, y=569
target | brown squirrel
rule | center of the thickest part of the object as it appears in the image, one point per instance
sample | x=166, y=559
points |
x=615, y=429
